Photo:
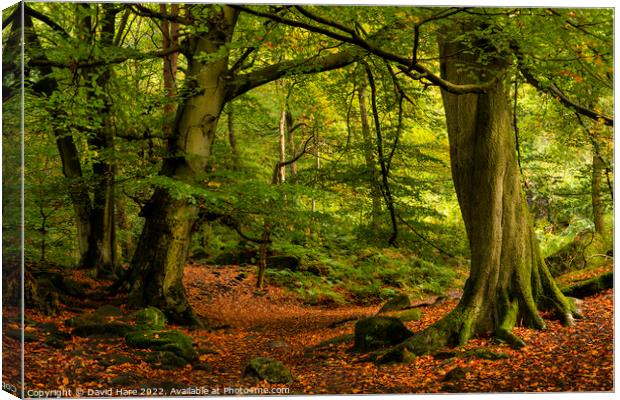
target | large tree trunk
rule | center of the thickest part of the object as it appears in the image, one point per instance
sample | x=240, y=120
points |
x=157, y=266
x=508, y=281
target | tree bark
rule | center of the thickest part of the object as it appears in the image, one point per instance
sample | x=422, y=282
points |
x=508, y=281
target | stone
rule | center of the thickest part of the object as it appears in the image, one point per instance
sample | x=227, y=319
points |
x=413, y=314
x=108, y=310
x=104, y=330
x=173, y=341
x=125, y=379
x=17, y=335
x=283, y=262
x=400, y=302
x=268, y=369
x=377, y=332
x=151, y=318
x=165, y=360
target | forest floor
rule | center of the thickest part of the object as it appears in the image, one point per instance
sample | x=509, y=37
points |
x=275, y=324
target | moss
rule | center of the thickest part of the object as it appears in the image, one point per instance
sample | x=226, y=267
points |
x=165, y=360
x=400, y=302
x=151, y=318
x=173, y=341
x=110, y=329
x=413, y=314
x=270, y=370
x=377, y=332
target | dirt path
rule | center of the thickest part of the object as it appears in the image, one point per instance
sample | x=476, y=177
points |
x=276, y=325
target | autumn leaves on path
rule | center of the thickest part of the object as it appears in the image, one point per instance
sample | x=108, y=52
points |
x=314, y=344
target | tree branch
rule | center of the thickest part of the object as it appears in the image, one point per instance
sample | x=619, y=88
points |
x=74, y=64
x=405, y=64
x=243, y=83
x=144, y=11
x=556, y=91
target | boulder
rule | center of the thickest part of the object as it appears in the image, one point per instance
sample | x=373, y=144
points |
x=237, y=257
x=400, y=302
x=165, y=360
x=377, y=332
x=150, y=318
x=17, y=335
x=103, y=330
x=108, y=310
x=413, y=314
x=267, y=369
x=283, y=262
x=173, y=341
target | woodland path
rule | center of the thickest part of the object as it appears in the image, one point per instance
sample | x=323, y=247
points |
x=276, y=325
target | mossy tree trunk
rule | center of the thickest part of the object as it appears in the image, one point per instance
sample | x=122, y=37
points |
x=509, y=281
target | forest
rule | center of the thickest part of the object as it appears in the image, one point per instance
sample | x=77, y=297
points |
x=210, y=199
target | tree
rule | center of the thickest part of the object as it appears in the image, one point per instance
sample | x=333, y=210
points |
x=509, y=282
x=157, y=267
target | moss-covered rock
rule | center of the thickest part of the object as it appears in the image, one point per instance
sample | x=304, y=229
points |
x=270, y=370
x=283, y=262
x=400, y=302
x=17, y=335
x=150, y=318
x=108, y=310
x=591, y=286
x=103, y=330
x=377, y=332
x=173, y=341
x=85, y=319
x=413, y=314
x=165, y=360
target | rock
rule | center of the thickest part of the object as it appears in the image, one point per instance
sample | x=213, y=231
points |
x=400, y=302
x=487, y=354
x=283, y=262
x=125, y=379
x=413, y=314
x=108, y=310
x=47, y=327
x=379, y=331
x=457, y=373
x=151, y=318
x=85, y=319
x=165, y=360
x=173, y=341
x=17, y=335
x=237, y=257
x=202, y=366
x=104, y=330
x=398, y=354
x=270, y=370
